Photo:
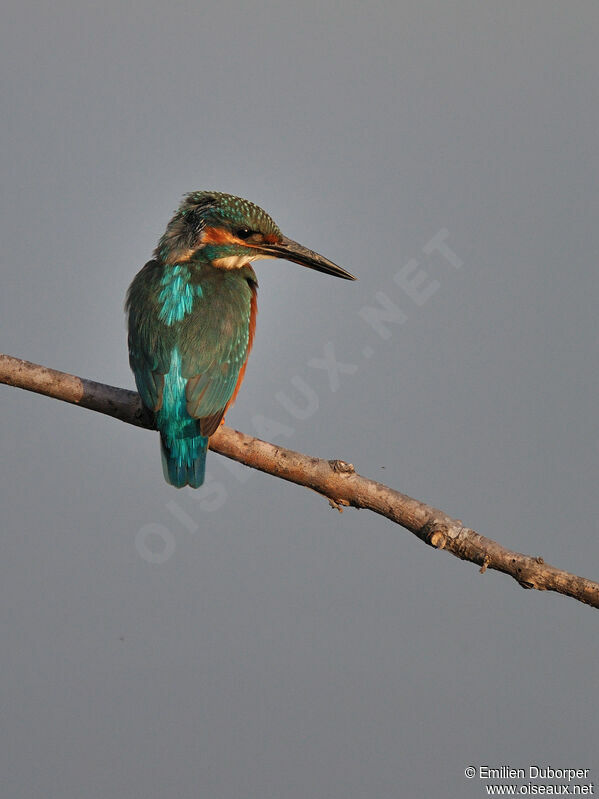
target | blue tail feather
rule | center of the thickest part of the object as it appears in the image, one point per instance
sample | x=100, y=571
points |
x=182, y=446
x=184, y=460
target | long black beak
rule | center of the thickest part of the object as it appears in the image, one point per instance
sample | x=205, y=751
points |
x=292, y=251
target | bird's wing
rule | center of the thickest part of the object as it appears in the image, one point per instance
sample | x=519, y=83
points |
x=213, y=359
x=213, y=345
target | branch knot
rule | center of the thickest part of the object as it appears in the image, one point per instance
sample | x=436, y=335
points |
x=342, y=467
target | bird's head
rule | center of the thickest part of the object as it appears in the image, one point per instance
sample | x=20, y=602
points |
x=229, y=232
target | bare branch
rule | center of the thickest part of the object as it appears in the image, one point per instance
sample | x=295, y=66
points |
x=336, y=480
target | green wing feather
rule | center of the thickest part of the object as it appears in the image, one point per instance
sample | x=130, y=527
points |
x=222, y=325
x=212, y=340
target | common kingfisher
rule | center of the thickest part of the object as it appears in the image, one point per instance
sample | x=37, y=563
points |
x=191, y=318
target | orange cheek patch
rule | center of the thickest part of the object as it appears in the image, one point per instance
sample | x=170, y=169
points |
x=218, y=235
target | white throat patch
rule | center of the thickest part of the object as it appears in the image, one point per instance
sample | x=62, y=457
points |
x=236, y=261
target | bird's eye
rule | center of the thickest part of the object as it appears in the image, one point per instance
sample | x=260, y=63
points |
x=243, y=232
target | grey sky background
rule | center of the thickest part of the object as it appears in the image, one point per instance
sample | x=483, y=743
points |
x=283, y=649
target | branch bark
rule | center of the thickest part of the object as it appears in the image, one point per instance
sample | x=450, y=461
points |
x=335, y=479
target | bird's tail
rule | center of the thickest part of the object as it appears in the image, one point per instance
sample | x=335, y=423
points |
x=184, y=459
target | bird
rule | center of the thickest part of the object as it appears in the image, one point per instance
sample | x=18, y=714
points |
x=191, y=315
